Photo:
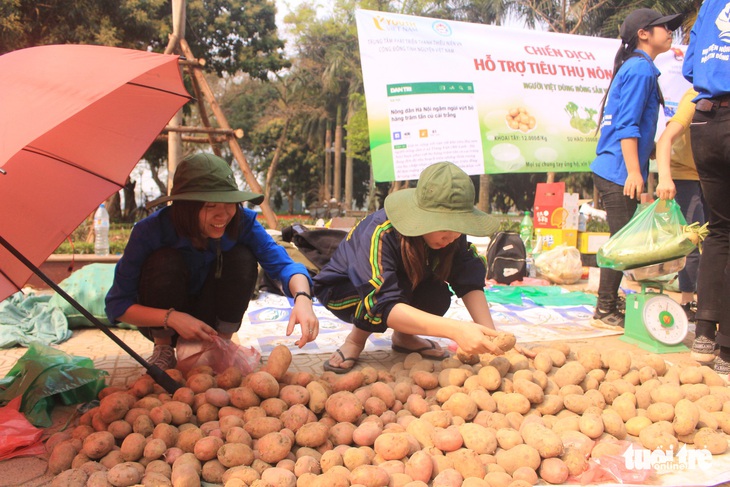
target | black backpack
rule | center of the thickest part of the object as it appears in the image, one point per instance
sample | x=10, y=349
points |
x=506, y=258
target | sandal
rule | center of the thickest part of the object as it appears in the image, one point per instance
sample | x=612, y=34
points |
x=340, y=370
x=431, y=346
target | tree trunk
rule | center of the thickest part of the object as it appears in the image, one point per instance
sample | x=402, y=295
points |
x=275, y=161
x=130, y=203
x=484, y=181
x=337, y=193
x=550, y=177
x=372, y=203
x=348, y=164
x=174, y=140
x=328, y=163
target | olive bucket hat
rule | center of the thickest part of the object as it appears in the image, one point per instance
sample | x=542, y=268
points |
x=442, y=200
x=206, y=177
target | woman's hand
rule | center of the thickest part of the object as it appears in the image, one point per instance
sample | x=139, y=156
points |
x=666, y=190
x=475, y=339
x=189, y=327
x=634, y=185
x=303, y=313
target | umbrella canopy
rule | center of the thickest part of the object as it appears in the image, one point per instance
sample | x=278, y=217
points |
x=74, y=121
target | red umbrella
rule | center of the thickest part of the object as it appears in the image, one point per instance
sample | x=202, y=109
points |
x=74, y=121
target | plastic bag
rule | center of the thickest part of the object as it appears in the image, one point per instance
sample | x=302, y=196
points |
x=615, y=469
x=561, y=265
x=656, y=233
x=219, y=354
x=17, y=436
x=45, y=375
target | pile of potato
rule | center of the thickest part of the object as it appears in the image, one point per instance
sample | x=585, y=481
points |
x=468, y=420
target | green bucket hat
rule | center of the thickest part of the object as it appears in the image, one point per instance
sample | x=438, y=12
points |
x=442, y=200
x=206, y=177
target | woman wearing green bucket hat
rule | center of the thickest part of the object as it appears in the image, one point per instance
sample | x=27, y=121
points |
x=189, y=270
x=395, y=268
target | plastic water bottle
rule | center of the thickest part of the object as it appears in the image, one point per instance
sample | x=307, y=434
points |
x=101, y=231
x=526, y=228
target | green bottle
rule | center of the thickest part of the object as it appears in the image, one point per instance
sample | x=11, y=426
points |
x=526, y=229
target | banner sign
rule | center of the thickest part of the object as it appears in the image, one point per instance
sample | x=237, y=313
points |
x=490, y=99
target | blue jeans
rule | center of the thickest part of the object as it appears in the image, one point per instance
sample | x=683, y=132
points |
x=619, y=210
x=690, y=199
x=220, y=303
x=710, y=133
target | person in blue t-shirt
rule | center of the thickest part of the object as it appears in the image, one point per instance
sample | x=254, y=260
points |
x=629, y=115
x=189, y=270
x=707, y=67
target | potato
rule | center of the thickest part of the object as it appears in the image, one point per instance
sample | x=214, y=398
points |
x=257, y=427
x=274, y=446
x=513, y=402
x=61, y=457
x=613, y=424
x=154, y=449
x=278, y=362
x=180, y=412
x=572, y=373
x=547, y=443
x=366, y=433
x=467, y=463
x=554, y=471
x=312, y=435
x=70, y=478
x=317, y=396
x=711, y=440
x=344, y=406
x=530, y=390
x=516, y=457
x=369, y=476
x=478, y=438
x=98, y=444
x=263, y=384
x=115, y=406
x=125, y=474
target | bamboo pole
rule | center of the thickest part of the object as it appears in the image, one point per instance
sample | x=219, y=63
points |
x=268, y=213
x=174, y=142
x=206, y=130
x=219, y=139
x=204, y=112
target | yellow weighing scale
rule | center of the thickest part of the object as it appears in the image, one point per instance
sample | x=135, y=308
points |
x=654, y=321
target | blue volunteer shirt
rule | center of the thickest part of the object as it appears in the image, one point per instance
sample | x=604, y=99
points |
x=707, y=61
x=632, y=111
x=157, y=231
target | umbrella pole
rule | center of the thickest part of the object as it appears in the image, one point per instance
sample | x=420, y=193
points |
x=154, y=371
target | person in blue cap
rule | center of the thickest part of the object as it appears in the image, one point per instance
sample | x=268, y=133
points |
x=189, y=270
x=628, y=122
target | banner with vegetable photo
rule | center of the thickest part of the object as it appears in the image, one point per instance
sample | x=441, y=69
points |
x=490, y=99
x=656, y=233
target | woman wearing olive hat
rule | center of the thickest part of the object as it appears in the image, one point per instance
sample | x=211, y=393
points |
x=189, y=270
x=395, y=267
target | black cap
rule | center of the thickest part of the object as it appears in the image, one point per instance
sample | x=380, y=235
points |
x=644, y=18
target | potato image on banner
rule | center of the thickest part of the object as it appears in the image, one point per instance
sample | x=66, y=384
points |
x=520, y=119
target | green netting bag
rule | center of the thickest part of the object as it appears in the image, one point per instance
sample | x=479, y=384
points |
x=44, y=376
x=656, y=233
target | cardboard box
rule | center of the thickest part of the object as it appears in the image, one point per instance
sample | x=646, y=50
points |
x=554, y=208
x=551, y=238
x=590, y=242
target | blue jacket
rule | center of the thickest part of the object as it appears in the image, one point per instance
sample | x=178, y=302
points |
x=157, y=231
x=632, y=111
x=367, y=271
x=707, y=61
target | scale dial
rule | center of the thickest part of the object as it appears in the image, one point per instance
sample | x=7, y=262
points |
x=665, y=320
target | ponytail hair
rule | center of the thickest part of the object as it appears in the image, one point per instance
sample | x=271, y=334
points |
x=624, y=52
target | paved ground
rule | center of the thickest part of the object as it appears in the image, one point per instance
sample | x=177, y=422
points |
x=123, y=370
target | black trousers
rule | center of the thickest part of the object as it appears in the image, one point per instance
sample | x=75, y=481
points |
x=220, y=303
x=710, y=133
x=619, y=210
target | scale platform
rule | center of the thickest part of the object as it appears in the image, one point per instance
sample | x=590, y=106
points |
x=654, y=321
